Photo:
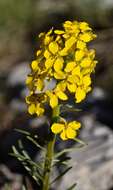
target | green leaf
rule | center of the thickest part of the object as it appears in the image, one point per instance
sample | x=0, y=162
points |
x=22, y=131
x=33, y=168
x=72, y=186
x=69, y=108
x=67, y=150
x=35, y=143
x=80, y=141
x=61, y=175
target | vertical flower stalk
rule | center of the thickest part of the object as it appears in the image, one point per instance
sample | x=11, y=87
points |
x=50, y=152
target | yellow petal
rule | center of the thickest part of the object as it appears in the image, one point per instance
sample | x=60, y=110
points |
x=57, y=127
x=40, y=84
x=46, y=54
x=59, y=75
x=84, y=26
x=49, y=63
x=39, y=110
x=74, y=125
x=86, y=62
x=80, y=94
x=38, y=52
x=70, y=42
x=67, y=23
x=58, y=65
x=53, y=101
x=47, y=39
x=59, y=32
x=71, y=79
x=69, y=67
x=76, y=71
x=63, y=135
x=87, y=37
x=79, y=55
x=32, y=109
x=86, y=80
x=87, y=89
x=29, y=80
x=34, y=65
x=70, y=133
x=81, y=44
x=71, y=87
x=61, y=95
x=63, y=52
x=41, y=34
x=53, y=47
x=92, y=53
x=66, y=35
x=61, y=85
x=86, y=71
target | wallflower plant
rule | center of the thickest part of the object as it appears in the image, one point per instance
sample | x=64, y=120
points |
x=65, y=60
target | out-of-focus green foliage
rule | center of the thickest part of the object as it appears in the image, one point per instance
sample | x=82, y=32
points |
x=15, y=13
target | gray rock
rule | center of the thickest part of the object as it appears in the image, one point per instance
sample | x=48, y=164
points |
x=93, y=164
x=18, y=74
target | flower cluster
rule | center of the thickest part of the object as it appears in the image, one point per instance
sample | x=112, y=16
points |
x=63, y=57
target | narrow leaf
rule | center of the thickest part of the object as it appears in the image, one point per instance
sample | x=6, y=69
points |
x=72, y=186
x=22, y=131
x=66, y=150
x=61, y=175
x=80, y=141
x=35, y=142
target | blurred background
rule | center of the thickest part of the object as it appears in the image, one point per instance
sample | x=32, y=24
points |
x=20, y=23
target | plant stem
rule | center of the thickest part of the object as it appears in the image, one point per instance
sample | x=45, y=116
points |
x=50, y=152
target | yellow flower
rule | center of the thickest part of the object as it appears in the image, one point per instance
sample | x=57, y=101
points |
x=32, y=109
x=80, y=44
x=59, y=75
x=84, y=26
x=70, y=66
x=59, y=32
x=35, y=108
x=86, y=62
x=34, y=65
x=70, y=42
x=79, y=54
x=53, y=47
x=49, y=62
x=66, y=130
x=38, y=52
x=39, y=84
x=87, y=36
x=58, y=65
x=47, y=54
x=29, y=80
x=83, y=88
x=56, y=94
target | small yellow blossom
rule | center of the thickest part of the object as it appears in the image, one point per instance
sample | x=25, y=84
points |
x=55, y=95
x=84, y=26
x=79, y=54
x=80, y=45
x=53, y=47
x=66, y=130
x=29, y=80
x=58, y=65
x=34, y=65
x=70, y=66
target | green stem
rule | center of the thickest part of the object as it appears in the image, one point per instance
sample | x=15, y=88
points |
x=50, y=152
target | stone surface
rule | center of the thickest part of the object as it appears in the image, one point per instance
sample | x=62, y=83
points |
x=93, y=164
